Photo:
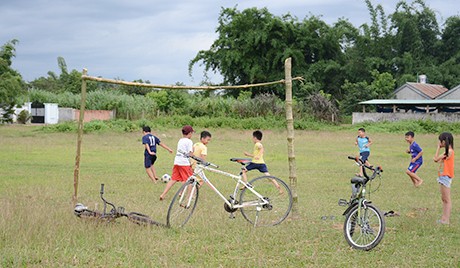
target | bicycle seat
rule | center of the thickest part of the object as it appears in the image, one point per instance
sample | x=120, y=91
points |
x=356, y=180
x=241, y=160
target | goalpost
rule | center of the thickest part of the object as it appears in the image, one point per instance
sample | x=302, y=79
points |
x=288, y=104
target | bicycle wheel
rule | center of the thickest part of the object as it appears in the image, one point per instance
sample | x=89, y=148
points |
x=182, y=205
x=273, y=190
x=364, y=227
x=142, y=219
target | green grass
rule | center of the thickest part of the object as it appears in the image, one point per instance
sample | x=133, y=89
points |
x=38, y=228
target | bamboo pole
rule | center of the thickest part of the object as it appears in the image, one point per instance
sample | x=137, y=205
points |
x=290, y=134
x=137, y=84
x=76, y=173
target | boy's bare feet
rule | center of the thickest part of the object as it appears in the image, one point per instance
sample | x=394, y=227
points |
x=162, y=198
x=417, y=184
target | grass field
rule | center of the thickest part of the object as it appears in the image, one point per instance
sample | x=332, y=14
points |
x=38, y=228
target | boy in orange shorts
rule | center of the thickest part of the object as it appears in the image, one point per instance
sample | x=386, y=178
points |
x=182, y=169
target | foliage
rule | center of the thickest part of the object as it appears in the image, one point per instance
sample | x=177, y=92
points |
x=338, y=59
x=380, y=88
x=11, y=84
x=169, y=101
x=322, y=107
x=24, y=117
x=64, y=82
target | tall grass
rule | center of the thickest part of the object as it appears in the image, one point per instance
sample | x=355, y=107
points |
x=38, y=228
x=171, y=103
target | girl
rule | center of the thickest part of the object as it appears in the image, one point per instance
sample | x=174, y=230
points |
x=446, y=172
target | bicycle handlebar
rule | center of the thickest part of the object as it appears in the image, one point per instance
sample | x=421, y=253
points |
x=197, y=159
x=376, y=170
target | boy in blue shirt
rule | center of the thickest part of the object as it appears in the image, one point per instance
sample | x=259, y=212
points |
x=363, y=142
x=416, y=159
x=150, y=143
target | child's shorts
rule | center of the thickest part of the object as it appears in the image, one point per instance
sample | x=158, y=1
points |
x=149, y=160
x=364, y=156
x=413, y=167
x=260, y=167
x=181, y=173
x=445, y=180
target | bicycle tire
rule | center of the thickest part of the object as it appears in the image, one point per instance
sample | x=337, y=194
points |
x=142, y=219
x=371, y=230
x=279, y=207
x=182, y=205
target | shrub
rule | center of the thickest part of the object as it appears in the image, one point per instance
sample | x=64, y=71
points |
x=24, y=117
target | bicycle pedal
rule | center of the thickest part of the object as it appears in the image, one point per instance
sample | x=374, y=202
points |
x=343, y=202
x=232, y=216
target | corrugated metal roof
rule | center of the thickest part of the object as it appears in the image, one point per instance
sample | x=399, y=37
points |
x=411, y=102
x=430, y=90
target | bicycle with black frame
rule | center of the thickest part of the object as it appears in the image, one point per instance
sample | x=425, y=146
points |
x=111, y=215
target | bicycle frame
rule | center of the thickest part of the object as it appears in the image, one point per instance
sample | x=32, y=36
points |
x=199, y=171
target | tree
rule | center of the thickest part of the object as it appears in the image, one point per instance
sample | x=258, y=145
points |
x=64, y=82
x=11, y=83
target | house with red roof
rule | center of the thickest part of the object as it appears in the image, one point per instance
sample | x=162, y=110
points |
x=419, y=91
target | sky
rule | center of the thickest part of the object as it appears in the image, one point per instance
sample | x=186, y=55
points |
x=152, y=40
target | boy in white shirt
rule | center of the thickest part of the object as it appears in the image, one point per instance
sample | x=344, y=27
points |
x=182, y=169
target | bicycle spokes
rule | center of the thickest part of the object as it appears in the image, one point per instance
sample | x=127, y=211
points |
x=269, y=204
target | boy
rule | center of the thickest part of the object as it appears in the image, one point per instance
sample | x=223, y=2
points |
x=200, y=150
x=257, y=156
x=150, y=143
x=181, y=170
x=363, y=142
x=416, y=159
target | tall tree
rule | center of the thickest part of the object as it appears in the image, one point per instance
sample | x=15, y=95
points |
x=11, y=83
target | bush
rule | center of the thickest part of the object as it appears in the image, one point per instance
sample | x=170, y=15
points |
x=24, y=117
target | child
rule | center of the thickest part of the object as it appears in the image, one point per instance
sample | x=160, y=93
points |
x=181, y=170
x=200, y=150
x=363, y=143
x=446, y=172
x=257, y=161
x=416, y=159
x=150, y=143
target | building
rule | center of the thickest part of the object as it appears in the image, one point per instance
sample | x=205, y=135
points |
x=415, y=101
x=419, y=91
x=453, y=94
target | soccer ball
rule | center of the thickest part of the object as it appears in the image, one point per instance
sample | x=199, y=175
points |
x=165, y=178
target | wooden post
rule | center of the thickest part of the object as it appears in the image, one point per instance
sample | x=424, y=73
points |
x=76, y=173
x=290, y=134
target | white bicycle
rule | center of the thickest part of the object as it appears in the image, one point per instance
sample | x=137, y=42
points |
x=264, y=201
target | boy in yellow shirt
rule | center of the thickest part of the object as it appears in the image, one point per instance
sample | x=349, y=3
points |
x=200, y=150
x=257, y=156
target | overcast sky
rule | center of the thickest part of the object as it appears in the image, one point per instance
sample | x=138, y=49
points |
x=146, y=39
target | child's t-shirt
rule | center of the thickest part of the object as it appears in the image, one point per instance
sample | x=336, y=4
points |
x=199, y=149
x=258, y=153
x=361, y=142
x=448, y=165
x=152, y=142
x=183, y=145
x=415, y=149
